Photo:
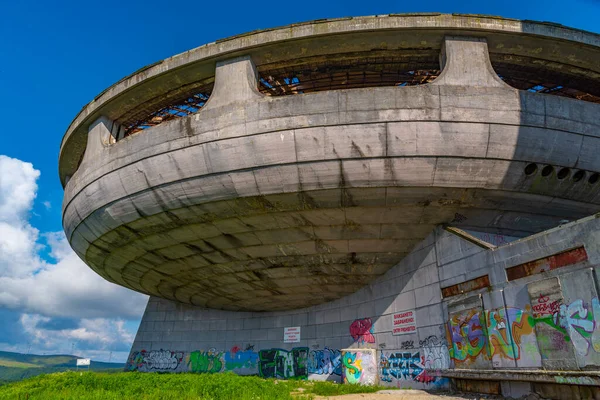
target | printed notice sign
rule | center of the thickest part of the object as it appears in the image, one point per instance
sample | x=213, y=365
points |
x=83, y=361
x=404, y=322
x=291, y=335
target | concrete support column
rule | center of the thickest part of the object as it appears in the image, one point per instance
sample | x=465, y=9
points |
x=465, y=61
x=236, y=80
x=99, y=137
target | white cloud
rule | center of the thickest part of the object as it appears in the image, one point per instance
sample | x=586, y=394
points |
x=18, y=189
x=18, y=239
x=101, y=332
x=63, y=288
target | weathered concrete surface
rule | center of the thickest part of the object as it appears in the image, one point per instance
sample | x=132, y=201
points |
x=542, y=46
x=506, y=336
x=272, y=203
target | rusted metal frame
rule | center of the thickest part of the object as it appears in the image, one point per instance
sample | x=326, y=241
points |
x=466, y=286
x=550, y=263
x=196, y=101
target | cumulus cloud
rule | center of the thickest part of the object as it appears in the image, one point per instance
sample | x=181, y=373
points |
x=66, y=287
x=60, y=298
x=90, y=334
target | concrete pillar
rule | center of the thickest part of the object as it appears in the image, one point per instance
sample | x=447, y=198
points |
x=465, y=61
x=236, y=80
x=99, y=137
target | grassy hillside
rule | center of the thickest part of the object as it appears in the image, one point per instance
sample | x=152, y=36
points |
x=146, y=386
x=17, y=366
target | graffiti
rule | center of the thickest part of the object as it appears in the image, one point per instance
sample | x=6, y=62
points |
x=279, y=363
x=404, y=367
x=155, y=360
x=506, y=327
x=582, y=324
x=234, y=349
x=249, y=347
x=435, y=353
x=467, y=336
x=576, y=380
x=359, y=367
x=240, y=360
x=409, y=344
x=543, y=306
x=325, y=362
x=361, y=331
x=210, y=361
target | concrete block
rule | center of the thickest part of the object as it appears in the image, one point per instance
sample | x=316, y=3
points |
x=428, y=295
x=331, y=315
x=251, y=323
x=430, y=315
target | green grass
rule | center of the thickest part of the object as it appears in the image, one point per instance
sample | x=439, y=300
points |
x=146, y=386
x=17, y=366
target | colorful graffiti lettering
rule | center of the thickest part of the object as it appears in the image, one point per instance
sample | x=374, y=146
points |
x=582, y=324
x=325, y=362
x=279, y=363
x=359, y=367
x=361, y=330
x=467, y=336
x=155, y=360
x=352, y=368
x=506, y=327
x=404, y=366
x=210, y=361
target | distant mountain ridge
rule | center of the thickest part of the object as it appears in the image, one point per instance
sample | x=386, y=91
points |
x=17, y=366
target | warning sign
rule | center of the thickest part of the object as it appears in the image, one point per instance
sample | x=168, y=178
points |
x=404, y=322
x=291, y=335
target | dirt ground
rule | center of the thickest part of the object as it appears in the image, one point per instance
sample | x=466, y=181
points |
x=407, y=395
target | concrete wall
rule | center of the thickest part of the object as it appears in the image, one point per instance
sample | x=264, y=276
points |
x=323, y=182
x=546, y=321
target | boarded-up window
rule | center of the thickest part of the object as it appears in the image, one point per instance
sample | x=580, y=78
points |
x=468, y=286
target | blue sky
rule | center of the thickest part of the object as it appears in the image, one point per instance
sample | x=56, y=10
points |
x=57, y=56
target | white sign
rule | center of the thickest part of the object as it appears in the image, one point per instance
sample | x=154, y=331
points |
x=404, y=322
x=291, y=335
x=83, y=361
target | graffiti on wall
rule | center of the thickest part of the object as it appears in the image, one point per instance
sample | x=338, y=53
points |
x=581, y=322
x=506, y=329
x=497, y=334
x=467, y=336
x=359, y=367
x=361, y=330
x=244, y=362
x=325, y=362
x=276, y=363
x=155, y=360
x=279, y=363
x=434, y=353
x=402, y=366
x=210, y=361
x=510, y=334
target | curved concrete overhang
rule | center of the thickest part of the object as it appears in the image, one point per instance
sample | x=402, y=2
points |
x=263, y=203
x=553, y=47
